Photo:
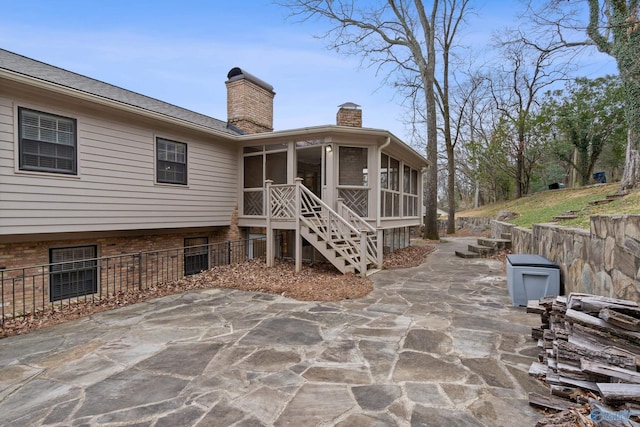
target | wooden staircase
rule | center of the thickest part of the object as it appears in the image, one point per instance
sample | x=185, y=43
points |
x=346, y=240
x=486, y=247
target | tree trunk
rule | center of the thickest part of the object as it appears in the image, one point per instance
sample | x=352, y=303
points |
x=451, y=188
x=431, y=222
x=476, y=198
x=631, y=173
x=631, y=165
x=519, y=174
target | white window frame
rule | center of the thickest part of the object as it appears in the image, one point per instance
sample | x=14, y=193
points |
x=364, y=187
x=262, y=151
x=396, y=195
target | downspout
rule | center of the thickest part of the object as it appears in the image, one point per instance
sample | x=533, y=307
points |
x=378, y=200
x=379, y=232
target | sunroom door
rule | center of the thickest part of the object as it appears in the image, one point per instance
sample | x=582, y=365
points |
x=353, y=178
x=309, y=167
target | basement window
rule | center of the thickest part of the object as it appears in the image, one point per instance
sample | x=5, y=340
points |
x=196, y=255
x=73, y=272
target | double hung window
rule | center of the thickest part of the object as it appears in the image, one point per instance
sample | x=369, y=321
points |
x=48, y=142
x=73, y=272
x=171, y=157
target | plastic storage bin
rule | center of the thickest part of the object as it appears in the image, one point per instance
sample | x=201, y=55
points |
x=531, y=277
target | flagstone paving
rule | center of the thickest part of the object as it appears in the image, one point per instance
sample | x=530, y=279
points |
x=435, y=345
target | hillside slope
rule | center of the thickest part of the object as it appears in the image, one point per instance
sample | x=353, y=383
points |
x=542, y=207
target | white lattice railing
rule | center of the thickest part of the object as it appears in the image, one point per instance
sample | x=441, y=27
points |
x=357, y=199
x=360, y=224
x=283, y=202
x=346, y=233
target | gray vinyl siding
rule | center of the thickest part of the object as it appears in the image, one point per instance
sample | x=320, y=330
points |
x=115, y=188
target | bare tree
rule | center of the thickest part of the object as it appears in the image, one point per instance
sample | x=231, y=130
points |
x=473, y=120
x=399, y=37
x=452, y=17
x=613, y=27
x=528, y=69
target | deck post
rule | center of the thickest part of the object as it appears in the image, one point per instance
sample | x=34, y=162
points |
x=270, y=234
x=379, y=246
x=363, y=252
x=339, y=206
x=298, y=236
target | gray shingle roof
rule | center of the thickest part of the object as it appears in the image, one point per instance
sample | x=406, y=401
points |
x=49, y=73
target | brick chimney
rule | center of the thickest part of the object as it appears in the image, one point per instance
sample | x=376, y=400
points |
x=249, y=102
x=349, y=114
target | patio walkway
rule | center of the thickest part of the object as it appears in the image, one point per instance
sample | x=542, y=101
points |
x=433, y=345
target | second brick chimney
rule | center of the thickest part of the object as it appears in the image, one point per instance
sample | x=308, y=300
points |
x=249, y=102
x=349, y=114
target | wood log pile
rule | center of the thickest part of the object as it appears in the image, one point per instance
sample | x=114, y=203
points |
x=589, y=356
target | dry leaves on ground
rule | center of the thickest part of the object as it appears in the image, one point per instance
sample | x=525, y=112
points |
x=411, y=256
x=319, y=282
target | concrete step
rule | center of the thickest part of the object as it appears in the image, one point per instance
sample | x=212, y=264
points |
x=505, y=236
x=466, y=255
x=498, y=244
x=482, y=251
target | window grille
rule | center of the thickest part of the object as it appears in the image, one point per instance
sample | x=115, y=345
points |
x=171, y=165
x=73, y=273
x=196, y=255
x=47, y=142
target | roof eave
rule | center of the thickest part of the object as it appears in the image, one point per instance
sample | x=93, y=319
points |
x=327, y=129
x=65, y=90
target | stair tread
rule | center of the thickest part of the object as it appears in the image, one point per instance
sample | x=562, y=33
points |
x=481, y=248
x=465, y=254
x=497, y=244
x=340, y=249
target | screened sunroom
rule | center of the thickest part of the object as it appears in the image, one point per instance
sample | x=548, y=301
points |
x=334, y=180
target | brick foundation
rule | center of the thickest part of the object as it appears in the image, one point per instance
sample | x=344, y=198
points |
x=25, y=288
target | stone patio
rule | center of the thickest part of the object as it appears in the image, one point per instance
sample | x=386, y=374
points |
x=433, y=345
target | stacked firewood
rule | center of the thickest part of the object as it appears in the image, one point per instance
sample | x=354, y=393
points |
x=589, y=356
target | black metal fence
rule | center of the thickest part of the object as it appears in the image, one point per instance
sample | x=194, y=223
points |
x=29, y=289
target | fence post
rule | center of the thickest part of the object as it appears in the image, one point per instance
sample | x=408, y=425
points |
x=139, y=270
x=2, y=290
x=229, y=252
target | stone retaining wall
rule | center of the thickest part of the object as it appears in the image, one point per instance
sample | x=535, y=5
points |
x=604, y=260
x=471, y=222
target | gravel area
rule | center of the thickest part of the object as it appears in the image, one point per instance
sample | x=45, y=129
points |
x=319, y=282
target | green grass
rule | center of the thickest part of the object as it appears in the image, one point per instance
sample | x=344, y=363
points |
x=542, y=207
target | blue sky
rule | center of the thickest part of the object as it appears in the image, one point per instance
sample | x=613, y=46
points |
x=181, y=52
